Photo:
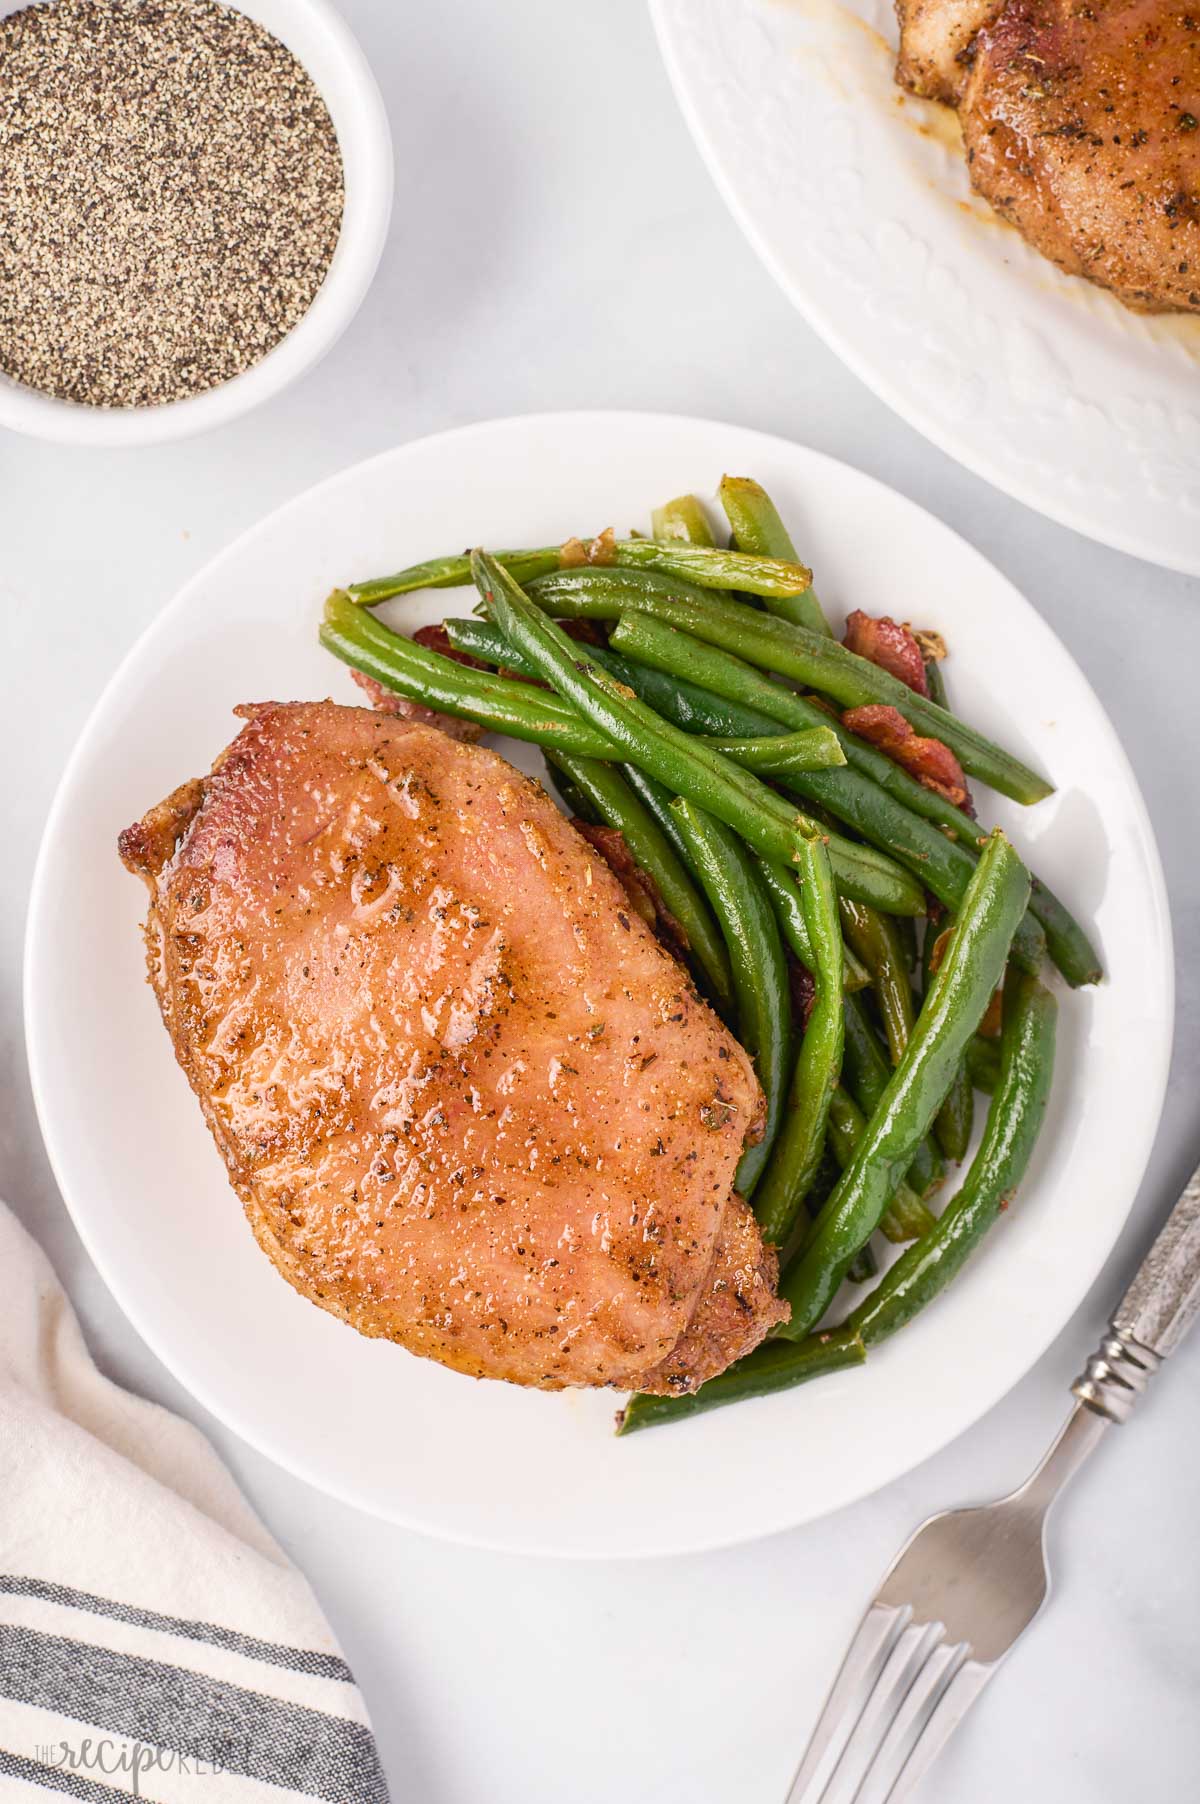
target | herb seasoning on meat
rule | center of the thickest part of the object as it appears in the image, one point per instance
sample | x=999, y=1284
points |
x=170, y=197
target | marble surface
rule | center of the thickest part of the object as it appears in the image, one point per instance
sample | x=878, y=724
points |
x=556, y=244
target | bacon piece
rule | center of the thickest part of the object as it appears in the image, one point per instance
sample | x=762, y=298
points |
x=938, y=950
x=584, y=632
x=386, y=701
x=803, y=990
x=891, y=646
x=928, y=760
x=993, y=1016
x=436, y=638
x=645, y=897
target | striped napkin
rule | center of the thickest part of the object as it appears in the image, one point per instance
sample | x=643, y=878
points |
x=154, y=1641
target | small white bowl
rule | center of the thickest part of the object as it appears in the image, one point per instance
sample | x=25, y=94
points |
x=320, y=40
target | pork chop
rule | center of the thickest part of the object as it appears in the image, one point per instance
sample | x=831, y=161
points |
x=1081, y=127
x=468, y=1101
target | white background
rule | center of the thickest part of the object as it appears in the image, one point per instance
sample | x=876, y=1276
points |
x=556, y=244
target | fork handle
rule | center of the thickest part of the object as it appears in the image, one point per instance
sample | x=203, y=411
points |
x=1152, y=1317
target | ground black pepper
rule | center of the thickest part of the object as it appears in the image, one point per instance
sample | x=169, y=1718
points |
x=170, y=197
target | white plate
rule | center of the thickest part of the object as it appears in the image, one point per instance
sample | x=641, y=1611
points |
x=484, y=1462
x=857, y=200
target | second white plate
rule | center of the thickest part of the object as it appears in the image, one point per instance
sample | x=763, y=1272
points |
x=856, y=197
x=485, y=1462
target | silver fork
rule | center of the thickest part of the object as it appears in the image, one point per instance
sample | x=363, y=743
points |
x=971, y=1581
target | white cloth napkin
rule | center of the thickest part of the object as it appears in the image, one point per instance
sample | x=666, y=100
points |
x=154, y=1641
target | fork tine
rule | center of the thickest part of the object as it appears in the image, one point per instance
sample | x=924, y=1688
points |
x=947, y=1713
x=901, y=1671
x=873, y=1640
x=910, y=1719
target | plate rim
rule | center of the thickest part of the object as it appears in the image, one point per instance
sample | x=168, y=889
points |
x=224, y=1409
x=874, y=377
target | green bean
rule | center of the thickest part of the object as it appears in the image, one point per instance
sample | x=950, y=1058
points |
x=866, y=1073
x=796, y=652
x=607, y=792
x=757, y=527
x=700, y=710
x=480, y=639
x=908, y=946
x=826, y=1176
x=741, y=685
x=780, y=884
x=752, y=739
x=681, y=522
x=782, y=754
x=524, y=566
x=682, y=703
x=851, y=681
x=954, y=1121
x=862, y=872
x=775, y=1366
x=847, y=792
x=756, y=959
x=657, y=799
x=653, y=643
x=593, y=593
x=865, y=1265
x=792, y=1166
x=687, y=766
x=966, y=979
x=808, y=657
x=866, y=1070
x=854, y=794
x=1014, y=1120
x=1066, y=941
x=711, y=568
x=983, y=1064
x=707, y=566
x=877, y=944
x=451, y=573
x=906, y=1217
x=504, y=706
x=857, y=975
x=789, y=910
x=938, y=863
x=667, y=754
